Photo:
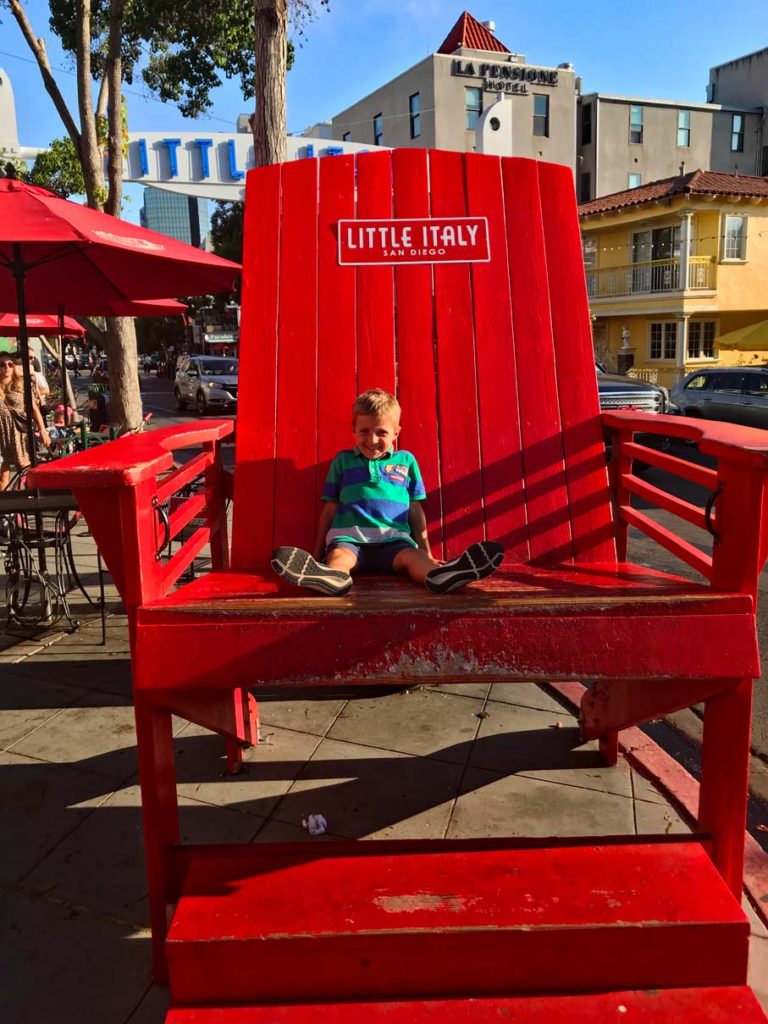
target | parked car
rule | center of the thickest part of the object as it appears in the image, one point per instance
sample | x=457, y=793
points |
x=617, y=391
x=208, y=382
x=737, y=394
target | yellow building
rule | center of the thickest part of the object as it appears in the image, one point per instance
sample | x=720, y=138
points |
x=672, y=267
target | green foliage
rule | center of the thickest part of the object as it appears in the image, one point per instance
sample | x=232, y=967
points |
x=181, y=49
x=59, y=169
x=19, y=166
x=155, y=334
x=227, y=231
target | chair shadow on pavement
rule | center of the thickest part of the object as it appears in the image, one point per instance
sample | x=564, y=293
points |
x=72, y=886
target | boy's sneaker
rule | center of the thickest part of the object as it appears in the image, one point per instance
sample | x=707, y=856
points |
x=300, y=568
x=477, y=562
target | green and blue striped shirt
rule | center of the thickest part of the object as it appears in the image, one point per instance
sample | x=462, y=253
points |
x=373, y=495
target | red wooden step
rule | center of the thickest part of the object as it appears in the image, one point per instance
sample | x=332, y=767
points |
x=358, y=921
x=697, y=1005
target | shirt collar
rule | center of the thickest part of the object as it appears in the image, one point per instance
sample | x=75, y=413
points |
x=390, y=451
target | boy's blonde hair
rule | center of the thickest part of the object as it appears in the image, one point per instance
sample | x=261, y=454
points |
x=378, y=403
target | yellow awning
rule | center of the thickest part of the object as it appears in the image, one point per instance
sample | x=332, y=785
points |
x=750, y=338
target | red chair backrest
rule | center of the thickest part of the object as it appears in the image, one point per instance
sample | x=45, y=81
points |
x=492, y=361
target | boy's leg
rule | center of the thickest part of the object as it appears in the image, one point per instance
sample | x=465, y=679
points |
x=299, y=567
x=476, y=563
x=343, y=559
x=415, y=562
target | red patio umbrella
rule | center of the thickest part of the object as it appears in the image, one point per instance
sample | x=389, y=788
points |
x=37, y=323
x=152, y=307
x=60, y=255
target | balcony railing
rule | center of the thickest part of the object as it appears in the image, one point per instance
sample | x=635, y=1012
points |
x=652, y=276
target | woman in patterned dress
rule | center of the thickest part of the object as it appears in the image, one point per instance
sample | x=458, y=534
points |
x=13, y=439
x=11, y=450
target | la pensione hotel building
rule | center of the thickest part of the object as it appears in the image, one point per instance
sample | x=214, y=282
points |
x=474, y=93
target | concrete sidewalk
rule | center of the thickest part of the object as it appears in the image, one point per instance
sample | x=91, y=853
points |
x=454, y=761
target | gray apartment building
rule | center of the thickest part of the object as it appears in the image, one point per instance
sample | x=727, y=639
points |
x=474, y=93
x=626, y=141
x=441, y=101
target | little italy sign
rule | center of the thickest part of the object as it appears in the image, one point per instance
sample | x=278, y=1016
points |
x=413, y=240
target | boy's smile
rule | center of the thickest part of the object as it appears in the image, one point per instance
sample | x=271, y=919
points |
x=375, y=437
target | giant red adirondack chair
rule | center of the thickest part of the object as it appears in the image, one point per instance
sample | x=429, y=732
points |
x=491, y=358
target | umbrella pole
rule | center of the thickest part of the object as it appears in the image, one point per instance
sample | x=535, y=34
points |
x=18, y=270
x=63, y=364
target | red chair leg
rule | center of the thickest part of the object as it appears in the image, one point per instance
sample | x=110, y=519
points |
x=609, y=748
x=157, y=775
x=725, y=779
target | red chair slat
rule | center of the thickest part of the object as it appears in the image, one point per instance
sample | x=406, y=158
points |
x=414, y=324
x=337, y=327
x=545, y=484
x=255, y=453
x=590, y=511
x=502, y=463
x=375, y=285
x=462, y=485
x=295, y=472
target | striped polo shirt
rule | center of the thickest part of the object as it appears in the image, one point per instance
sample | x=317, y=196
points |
x=374, y=496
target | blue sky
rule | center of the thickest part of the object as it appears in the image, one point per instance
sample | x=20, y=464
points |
x=655, y=49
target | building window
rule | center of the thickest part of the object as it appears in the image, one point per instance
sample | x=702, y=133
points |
x=701, y=339
x=664, y=340
x=585, y=187
x=586, y=124
x=414, y=111
x=541, y=116
x=346, y=136
x=635, y=124
x=684, y=128
x=635, y=180
x=737, y=133
x=734, y=238
x=473, y=106
x=378, y=131
x=589, y=251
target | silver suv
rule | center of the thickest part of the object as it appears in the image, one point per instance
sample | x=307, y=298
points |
x=207, y=382
x=737, y=394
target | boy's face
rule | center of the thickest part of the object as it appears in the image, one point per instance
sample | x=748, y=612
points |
x=375, y=436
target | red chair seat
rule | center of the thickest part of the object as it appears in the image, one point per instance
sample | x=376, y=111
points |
x=525, y=622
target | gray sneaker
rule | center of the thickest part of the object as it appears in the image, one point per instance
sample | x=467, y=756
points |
x=477, y=562
x=300, y=568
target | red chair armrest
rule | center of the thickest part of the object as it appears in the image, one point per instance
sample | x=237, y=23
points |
x=729, y=441
x=129, y=460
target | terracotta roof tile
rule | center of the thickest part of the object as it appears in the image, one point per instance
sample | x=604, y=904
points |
x=694, y=183
x=468, y=32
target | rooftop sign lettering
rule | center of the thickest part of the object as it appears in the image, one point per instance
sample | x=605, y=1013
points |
x=418, y=240
x=514, y=78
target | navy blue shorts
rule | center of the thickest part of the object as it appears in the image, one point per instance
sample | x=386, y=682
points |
x=373, y=559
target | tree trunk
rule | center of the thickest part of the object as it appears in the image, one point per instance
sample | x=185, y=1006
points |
x=114, y=78
x=69, y=395
x=124, y=391
x=90, y=153
x=123, y=362
x=270, y=51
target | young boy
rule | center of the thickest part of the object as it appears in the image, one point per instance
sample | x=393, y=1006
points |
x=373, y=521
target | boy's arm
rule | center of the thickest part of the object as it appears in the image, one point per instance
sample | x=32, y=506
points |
x=324, y=525
x=418, y=524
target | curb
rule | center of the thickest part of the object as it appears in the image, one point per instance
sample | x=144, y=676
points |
x=680, y=787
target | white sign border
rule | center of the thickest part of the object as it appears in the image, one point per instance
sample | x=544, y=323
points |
x=409, y=220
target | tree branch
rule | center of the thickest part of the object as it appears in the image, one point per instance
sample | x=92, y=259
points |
x=90, y=155
x=37, y=46
x=114, y=78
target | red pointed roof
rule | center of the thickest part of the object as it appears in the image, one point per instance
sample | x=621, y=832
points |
x=694, y=183
x=471, y=34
